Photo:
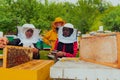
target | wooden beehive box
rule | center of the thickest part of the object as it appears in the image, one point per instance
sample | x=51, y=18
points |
x=32, y=70
x=15, y=55
x=101, y=49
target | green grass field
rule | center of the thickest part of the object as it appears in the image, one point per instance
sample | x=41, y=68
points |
x=43, y=54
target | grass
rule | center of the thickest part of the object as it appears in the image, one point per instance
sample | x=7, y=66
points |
x=1, y=51
x=43, y=54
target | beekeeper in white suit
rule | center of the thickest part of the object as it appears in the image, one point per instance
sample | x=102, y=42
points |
x=28, y=36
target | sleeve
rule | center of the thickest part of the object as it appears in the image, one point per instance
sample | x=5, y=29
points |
x=38, y=45
x=75, y=49
x=56, y=44
x=15, y=42
x=46, y=37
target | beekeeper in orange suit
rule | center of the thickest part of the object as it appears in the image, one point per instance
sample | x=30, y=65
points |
x=51, y=36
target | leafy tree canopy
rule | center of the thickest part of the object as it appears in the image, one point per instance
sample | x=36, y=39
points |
x=18, y=12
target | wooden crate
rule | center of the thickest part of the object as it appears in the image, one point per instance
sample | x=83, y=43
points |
x=32, y=70
x=15, y=55
x=101, y=49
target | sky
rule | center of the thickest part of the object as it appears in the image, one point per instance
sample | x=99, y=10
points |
x=113, y=2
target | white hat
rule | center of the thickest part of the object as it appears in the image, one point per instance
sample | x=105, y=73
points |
x=68, y=25
x=28, y=26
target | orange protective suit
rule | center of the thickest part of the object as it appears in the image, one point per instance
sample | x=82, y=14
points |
x=51, y=36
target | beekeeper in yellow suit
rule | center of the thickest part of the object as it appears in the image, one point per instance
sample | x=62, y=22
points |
x=51, y=36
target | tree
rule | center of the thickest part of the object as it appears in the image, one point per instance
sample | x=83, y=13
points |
x=85, y=13
x=82, y=15
x=111, y=20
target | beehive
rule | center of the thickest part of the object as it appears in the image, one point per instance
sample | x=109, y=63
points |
x=32, y=70
x=82, y=70
x=15, y=55
x=101, y=49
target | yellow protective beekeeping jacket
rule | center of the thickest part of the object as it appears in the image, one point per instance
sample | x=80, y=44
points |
x=51, y=36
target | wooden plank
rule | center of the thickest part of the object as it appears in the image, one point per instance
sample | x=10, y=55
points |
x=100, y=35
x=32, y=65
x=69, y=59
x=15, y=55
x=118, y=49
x=1, y=56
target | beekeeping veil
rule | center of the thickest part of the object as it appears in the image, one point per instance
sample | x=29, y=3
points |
x=22, y=36
x=72, y=38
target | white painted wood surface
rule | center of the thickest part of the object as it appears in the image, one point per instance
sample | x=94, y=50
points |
x=81, y=70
